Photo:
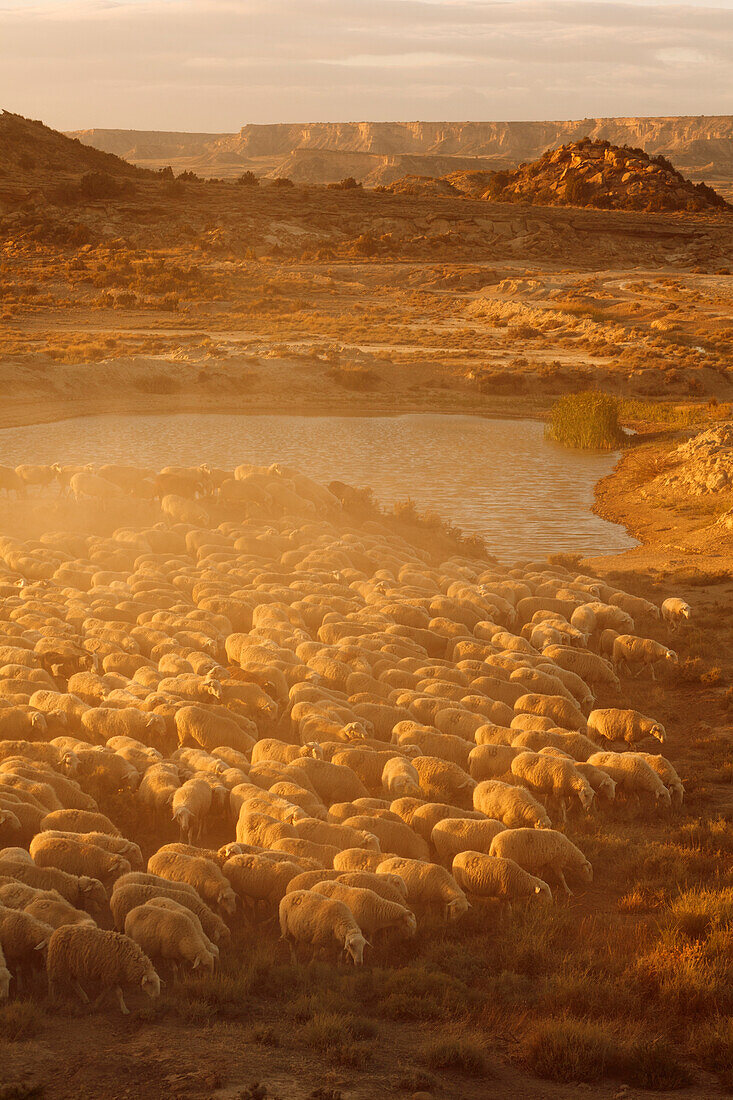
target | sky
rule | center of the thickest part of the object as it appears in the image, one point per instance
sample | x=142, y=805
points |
x=216, y=65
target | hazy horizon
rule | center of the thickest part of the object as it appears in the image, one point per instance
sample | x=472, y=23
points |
x=216, y=65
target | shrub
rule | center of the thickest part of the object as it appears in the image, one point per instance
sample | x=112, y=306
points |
x=20, y=1020
x=248, y=179
x=568, y=1049
x=98, y=185
x=464, y=1055
x=347, y=184
x=654, y=1064
x=588, y=421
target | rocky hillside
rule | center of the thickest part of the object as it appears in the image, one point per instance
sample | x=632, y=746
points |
x=590, y=173
x=701, y=147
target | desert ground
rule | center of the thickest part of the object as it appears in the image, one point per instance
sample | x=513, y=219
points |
x=167, y=295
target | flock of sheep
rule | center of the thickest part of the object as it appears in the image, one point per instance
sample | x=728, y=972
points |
x=298, y=717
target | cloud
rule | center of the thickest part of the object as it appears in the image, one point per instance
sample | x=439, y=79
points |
x=217, y=64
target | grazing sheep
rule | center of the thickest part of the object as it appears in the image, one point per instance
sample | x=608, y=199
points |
x=342, y=836
x=80, y=891
x=400, y=779
x=513, y=806
x=588, y=666
x=77, y=954
x=389, y=887
x=357, y=859
x=202, y=874
x=321, y=923
x=393, y=836
x=131, y=894
x=624, y=725
x=260, y=829
x=458, y=834
x=668, y=774
x=428, y=884
x=56, y=912
x=603, y=786
x=675, y=612
x=540, y=851
x=576, y=745
x=634, y=606
x=190, y=805
x=491, y=761
x=77, y=857
x=490, y=876
x=443, y=781
x=79, y=821
x=168, y=934
x=633, y=776
x=211, y=730
x=553, y=777
x=641, y=653
x=331, y=782
x=562, y=712
x=21, y=936
x=372, y=912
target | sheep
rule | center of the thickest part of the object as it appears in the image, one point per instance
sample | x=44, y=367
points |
x=357, y=859
x=457, y=834
x=140, y=755
x=158, y=788
x=77, y=953
x=490, y=876
x=79, y=821
x=80, y=891
x=260, y=829
x=644, y=653
x=603, y=786
x=342, y=836
x=588, y=666
x=634, y=606
x=321, y=923
x=667, y=774
x=539, y=851
x=131, y=894
x=168, y=934
x=443, y=781
x=331, y=782
x=557, y=707
x=428, y=884
x=176, y=907
x=513, y=806
x=202, y=874
x=675, y=612
x=372, y=912
x=633, y=776
x=112, y=845
x=211, y=730
x=77, y=857
x=56, y=912
x=21, y=935
x=554, y=777
x=190, y=805
x=624, y=725
x=576, y=745
x=490, y=761
x=393, y=836
x=389, y=887
x=104, y=723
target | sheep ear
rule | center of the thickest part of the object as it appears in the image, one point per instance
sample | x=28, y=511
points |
x=367, y=943
x=197, y=961
x=40, y=946
x=538, y=889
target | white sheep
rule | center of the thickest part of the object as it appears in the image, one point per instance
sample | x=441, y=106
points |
x=633, y=776
x=540, y=851
x=190, y=805
x=78, y=953
x=320, y=923
x=630, y=726
x=555, y=778
x=630, y=652
x=457, y=834
x=489, y=876
x=373, y=913
x=168, y=934
x=513, y=806
x=400, y=778
x=668, y=774
x=428, y=884
x=675, y=612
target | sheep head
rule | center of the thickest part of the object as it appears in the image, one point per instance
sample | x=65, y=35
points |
x=227, y=900
x=457, y=908
x=150, y=983
x=354, y=945
x=659, y=732
x=542, y=891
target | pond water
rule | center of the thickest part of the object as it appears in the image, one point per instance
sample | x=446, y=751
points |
x=497, y=478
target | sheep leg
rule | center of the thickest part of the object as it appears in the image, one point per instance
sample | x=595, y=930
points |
x=81, y=994
x=563, y=883
x=121, y=1001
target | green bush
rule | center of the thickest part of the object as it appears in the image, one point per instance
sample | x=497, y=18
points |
x=587, y=421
